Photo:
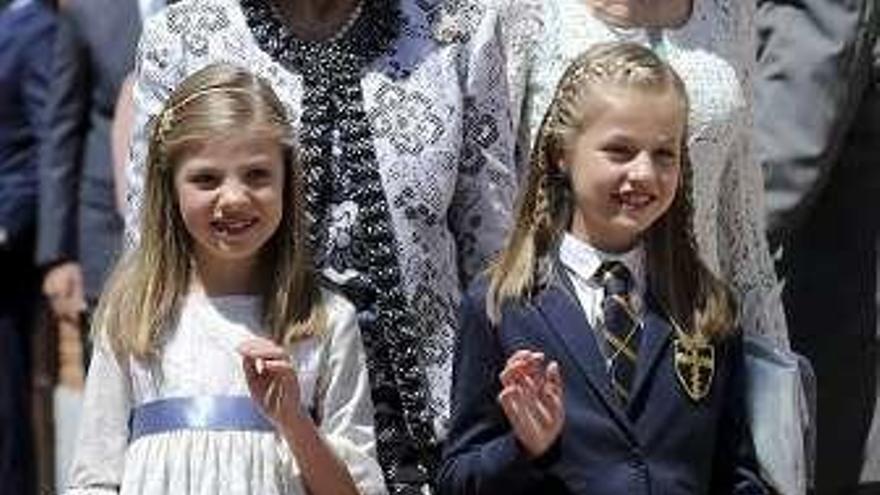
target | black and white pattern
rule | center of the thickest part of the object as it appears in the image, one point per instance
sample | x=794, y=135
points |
x=408, y=121
x=407, y=145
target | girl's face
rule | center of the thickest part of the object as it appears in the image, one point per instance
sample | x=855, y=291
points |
x=625, y=165
x=230, y=192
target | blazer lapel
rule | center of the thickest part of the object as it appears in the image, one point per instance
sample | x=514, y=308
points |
x=656, y=334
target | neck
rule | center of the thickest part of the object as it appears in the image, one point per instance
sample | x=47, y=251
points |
x=240, y=277
x=316, y=20
x=642, y=13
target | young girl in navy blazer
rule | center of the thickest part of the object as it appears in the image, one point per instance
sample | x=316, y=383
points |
x=600, y=355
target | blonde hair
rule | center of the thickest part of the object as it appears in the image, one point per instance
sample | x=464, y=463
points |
x=144, y=293
x=692, y=296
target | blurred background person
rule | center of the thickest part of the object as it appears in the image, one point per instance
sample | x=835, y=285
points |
x=26, y=32
x=80, y=229
x=818, y=139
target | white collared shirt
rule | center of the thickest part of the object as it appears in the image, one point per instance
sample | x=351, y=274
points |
x=581, y=261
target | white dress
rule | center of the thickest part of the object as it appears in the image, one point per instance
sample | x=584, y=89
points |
x=199, y=359
x=713, y=52
x=440, y=148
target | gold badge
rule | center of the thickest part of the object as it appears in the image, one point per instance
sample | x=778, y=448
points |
x=694, y=363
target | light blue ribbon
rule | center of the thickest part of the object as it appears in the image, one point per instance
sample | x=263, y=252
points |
x=220, y=412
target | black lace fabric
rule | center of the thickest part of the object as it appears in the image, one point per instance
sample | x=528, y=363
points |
x=342, y=179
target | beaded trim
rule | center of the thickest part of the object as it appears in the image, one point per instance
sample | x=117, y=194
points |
x=333, y=110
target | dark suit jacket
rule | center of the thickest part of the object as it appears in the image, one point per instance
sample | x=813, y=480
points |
x=26, y=31
x=817, y=120
x=817, y=123
x=94, y=52
x=663, y=443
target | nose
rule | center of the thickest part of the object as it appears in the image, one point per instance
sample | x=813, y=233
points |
x=642, y=167
x=231, y=196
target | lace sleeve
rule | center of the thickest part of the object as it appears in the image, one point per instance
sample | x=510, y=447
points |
x=745, y=256
x=521, y=25
x=103, y=430
x=156, y=73
x=742, y=246
x=482, y=204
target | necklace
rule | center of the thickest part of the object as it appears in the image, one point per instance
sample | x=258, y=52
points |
x=353, y=16
x=316, y=35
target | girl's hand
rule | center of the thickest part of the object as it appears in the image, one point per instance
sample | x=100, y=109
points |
x=531, y=397
x=271, y=379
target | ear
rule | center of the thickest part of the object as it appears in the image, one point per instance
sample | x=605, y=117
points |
x=562, y=166
x=562, y=172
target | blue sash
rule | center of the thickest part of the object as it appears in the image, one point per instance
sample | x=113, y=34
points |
x=216, y=413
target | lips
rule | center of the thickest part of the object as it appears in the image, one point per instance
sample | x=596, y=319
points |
x=634, y=200
x=233, y=227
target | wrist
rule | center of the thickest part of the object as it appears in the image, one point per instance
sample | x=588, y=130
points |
x=546, y=457
x=296, y=419
x=299, y=430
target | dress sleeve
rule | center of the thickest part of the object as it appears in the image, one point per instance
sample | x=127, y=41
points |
x=343, y=404
x=521, y=24
x=482, y=204
x=743, y=250
x=745, y=256
x=99, y=459
x=158, y=68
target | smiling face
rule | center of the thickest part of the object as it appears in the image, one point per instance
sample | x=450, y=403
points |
x=625, y=165
x=230, y=194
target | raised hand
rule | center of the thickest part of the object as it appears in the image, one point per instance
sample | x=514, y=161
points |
x=271, y=379
x=531, y=397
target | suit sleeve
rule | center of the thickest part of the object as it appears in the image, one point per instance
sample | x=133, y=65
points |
x=814, y=59
x=61, y=160
x=17, y=211
x=736, y=467
x=481, y=455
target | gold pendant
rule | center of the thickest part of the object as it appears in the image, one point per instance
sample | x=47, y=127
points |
x=694, y=363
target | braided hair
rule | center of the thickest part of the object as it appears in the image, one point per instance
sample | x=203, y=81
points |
x=693, y=297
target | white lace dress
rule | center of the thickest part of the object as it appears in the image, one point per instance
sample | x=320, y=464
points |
x=200, y=360
x=713, y=52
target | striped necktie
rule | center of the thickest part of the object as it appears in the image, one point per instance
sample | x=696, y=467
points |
x=621, y=327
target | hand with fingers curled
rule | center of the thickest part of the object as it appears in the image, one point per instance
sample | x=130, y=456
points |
x=64, y=289
x=532, y=399
x=272, y=380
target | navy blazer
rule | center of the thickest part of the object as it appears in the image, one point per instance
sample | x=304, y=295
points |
x=94, y=51
x=26, y=33
x=663, y=443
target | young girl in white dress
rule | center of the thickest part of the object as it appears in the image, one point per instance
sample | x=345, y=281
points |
x=220, y=366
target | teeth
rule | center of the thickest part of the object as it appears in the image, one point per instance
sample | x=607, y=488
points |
x=234, y=226
x=635, y=200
